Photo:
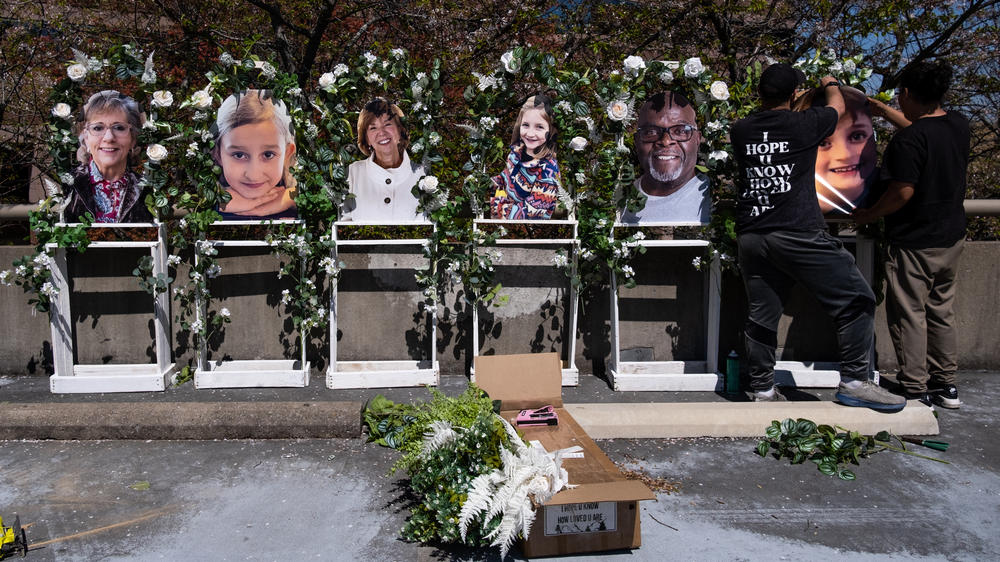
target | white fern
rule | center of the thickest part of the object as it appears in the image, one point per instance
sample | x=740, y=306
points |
x=441, y=433
x=528, y=478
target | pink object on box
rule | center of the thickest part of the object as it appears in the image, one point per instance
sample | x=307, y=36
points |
x=546, y=415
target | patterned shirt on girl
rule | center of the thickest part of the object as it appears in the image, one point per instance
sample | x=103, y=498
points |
x=532, y=186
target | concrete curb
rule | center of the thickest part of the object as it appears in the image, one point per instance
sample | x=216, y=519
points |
x=740, y=419
x=180, y=420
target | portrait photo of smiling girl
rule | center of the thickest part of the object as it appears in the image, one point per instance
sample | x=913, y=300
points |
x=846, y=160
x=528, y=187
x=255, y=147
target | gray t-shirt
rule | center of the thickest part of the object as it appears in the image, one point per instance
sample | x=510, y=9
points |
x=690, y=203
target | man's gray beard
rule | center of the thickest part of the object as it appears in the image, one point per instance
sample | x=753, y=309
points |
x=663, y=177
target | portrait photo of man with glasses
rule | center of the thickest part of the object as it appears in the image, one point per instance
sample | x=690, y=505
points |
x=666, y=145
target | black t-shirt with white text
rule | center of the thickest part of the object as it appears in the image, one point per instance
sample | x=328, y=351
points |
x=932, y=154
x=776, y=159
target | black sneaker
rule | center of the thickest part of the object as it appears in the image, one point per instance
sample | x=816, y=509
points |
x=945, y=396
x=923, y=397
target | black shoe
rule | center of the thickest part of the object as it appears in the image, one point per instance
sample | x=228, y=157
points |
x=923, y=397
x=945, y=396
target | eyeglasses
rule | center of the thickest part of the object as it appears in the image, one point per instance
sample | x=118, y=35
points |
x=679, y=133
x=117, y=129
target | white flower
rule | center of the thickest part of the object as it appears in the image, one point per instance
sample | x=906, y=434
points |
x=836, y=67
x=213, y=271
x=43, y=260
x=417, y=147
x=94, y=64
x=560, y=260
x=850, y=67
x=6, y=276
x=340, y=70
x=714, y=126
x=162, y=98
x=48, y=289
x=200, y=116
x=640, y=235
x=398, y=53
x=369, y=58
x=580, y=178
x=197, y=325
x=587, y=254
x=226, y=59
x=693, y=67
x=434, y=138
x=148, y=76
x=696, y=262
x=267, y=70
x=66, y=178
x=672, y=64
x=295, y=91
x=428, y=184
x=633, y=65
x=76, y=72
x=62, y=110
x=578, y=143
x=192, y=150
x=666, y=77
x=201, y=99
x=224, y=312
x=417, y=89
x=326, y=80
x=719, y=90
x=373, y=78
x=509, y=64
x=720, y=155
x=487, y=123
x=173, y=260
x=156, y=153
x=485, y=82
x=627, y=271
x=206, y=135
x=619, y=110
x=286, y=296
x=21, y=270
x=564, y=106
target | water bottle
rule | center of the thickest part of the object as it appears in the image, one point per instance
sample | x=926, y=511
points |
x=732, y=373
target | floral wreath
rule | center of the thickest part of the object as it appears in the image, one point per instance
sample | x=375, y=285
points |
x=120, y=64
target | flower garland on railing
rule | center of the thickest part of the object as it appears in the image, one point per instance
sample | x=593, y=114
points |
x=119, y=66
x=343, y=91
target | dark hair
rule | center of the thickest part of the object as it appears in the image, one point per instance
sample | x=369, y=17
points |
x=927, y=81
x=663, y=99
x=372, y=111
x=542, y=102
x=778, y=83
x=855, y=101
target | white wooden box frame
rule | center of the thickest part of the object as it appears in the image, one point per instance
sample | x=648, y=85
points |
x=142, y=377
x=670, y=375
x=570, y=372
x=248, y=373
x=379, y=373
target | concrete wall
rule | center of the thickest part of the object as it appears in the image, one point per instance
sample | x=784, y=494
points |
x=662, y=318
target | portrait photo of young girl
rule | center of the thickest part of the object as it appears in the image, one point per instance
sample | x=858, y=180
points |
x=528, y=187
x=255, y=147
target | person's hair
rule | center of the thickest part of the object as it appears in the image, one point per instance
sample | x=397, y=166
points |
x=105, y=101
x=855, y=101
x=927, y=81
x=542, y=102
x=660, y=100
x=251, y=107
x=372, y=111
x=777, y=83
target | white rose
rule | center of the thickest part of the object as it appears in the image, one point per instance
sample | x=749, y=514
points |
x=62, y=110
x=578, y=143
x=76, y=72
x=156, y=152
x=720, y=155
x=340, y=70
x=633, y=65
x=429, y=184
x=326, y=80
x=162, y=98
x=618, y=110
x=693, y=67
x=719, y=90
x=666, y=77
x=507, y=59
x=202, y=99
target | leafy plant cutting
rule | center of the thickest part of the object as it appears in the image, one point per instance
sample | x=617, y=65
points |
x=830, y=447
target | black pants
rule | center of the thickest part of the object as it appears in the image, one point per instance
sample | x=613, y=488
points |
x=771, y=264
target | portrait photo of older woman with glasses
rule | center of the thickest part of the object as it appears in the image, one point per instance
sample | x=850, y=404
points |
x=103, y=184
x=666, y=145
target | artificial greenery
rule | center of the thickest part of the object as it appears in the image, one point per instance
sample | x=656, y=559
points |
x=831, y=448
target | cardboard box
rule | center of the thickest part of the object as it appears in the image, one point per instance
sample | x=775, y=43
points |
x=602, y=512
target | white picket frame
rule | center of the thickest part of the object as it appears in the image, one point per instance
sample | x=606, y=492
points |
x=570, y=372
x=248, y=373
x=71, y=378
x=378, y=373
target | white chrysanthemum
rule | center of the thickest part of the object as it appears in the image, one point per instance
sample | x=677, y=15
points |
x=156, y=152
x=693, y=67
x=578, y=143
x=719, y=90
x=428, y=184
x=633, y=65
x=162, y=98
x=76, y=72
x=62, y=110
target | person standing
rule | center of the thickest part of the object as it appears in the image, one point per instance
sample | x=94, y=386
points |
x=925, y=164
x=782, y=238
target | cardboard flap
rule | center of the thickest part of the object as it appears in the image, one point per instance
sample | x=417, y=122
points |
x=618, y=491
x=521, y=381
